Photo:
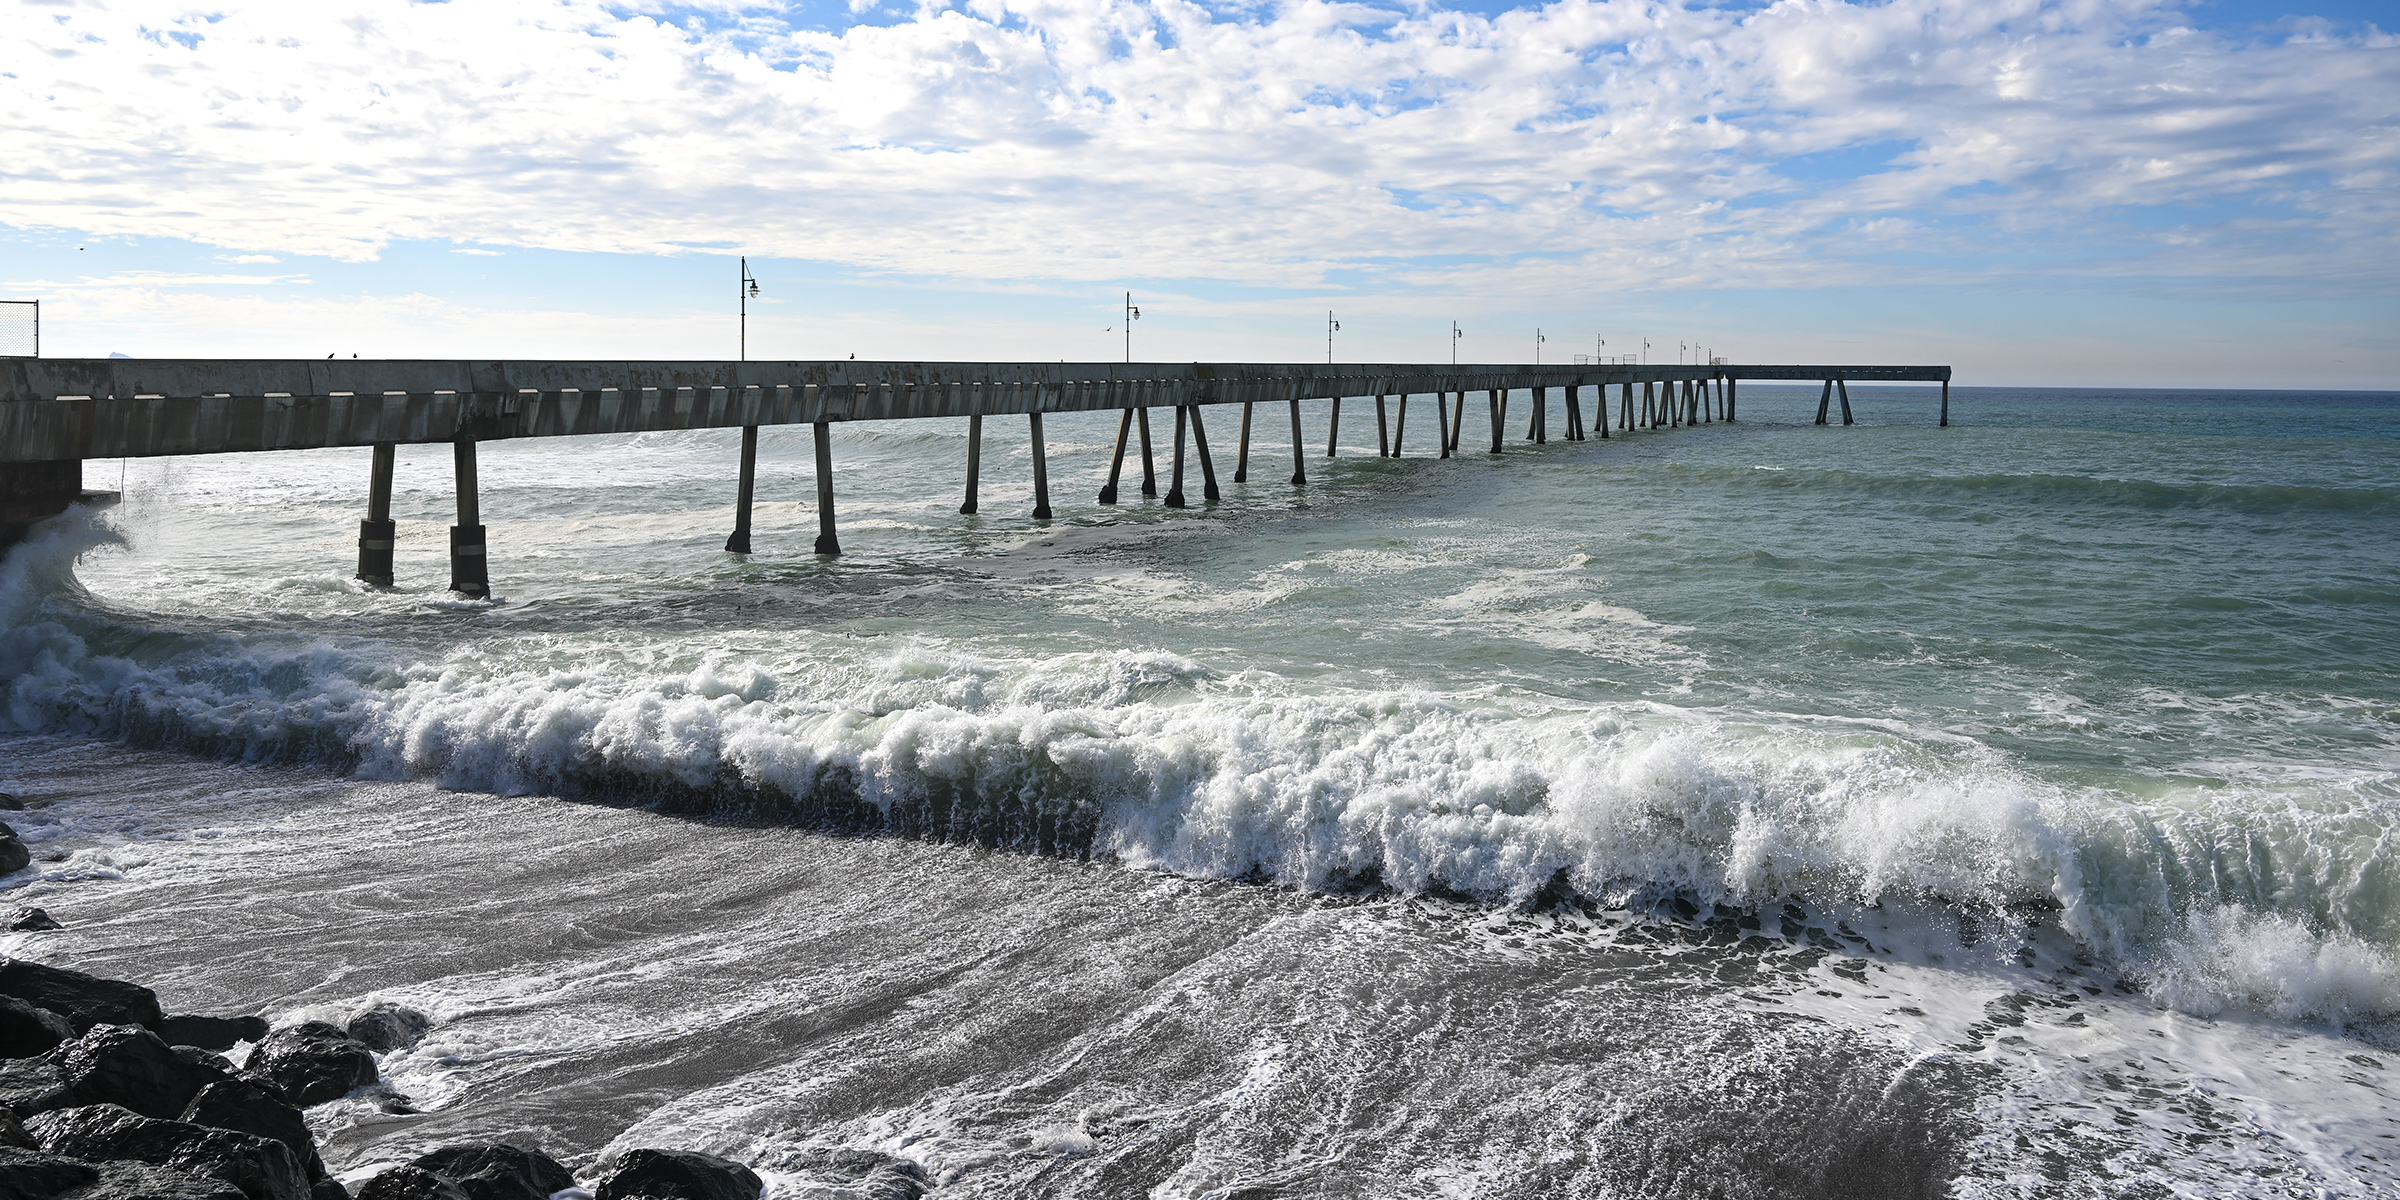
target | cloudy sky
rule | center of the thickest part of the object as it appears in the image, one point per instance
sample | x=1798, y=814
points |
x=2163, y=192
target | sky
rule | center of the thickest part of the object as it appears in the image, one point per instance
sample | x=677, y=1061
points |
x=2123, y=193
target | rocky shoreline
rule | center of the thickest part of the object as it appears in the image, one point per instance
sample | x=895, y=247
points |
x=104, y=1096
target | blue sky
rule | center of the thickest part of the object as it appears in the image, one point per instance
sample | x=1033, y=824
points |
x=2117, y=192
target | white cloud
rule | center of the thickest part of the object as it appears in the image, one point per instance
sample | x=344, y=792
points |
x=1590, y=145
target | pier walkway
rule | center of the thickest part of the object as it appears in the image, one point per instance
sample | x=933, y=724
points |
x=55, y=413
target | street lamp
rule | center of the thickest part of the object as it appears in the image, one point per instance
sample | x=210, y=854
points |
x=1331, y=327
x=748, y=289
x=1538, y=339
x=1455, y=334
x=1645, y=351
x=1132, y=314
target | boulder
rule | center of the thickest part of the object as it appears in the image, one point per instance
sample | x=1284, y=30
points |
x=212, y=1033
x=677, y=1175
x=32, y=1085
x=243, y=1107
x=259, y=1168
x=84, y=1000
x=26, y=1030
x=12, y=1132
x=28, y=920
x=384, y=1027
x=142, y=1181
x=32, y=1175
x=328, y=1188
x=13, y=854
x=313, y=1062
x=130, y=1067
x=410, y=1183
x=494, y=1171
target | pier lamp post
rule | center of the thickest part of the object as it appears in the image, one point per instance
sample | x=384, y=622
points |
x=748, y=289
x=1455, y=334
x=1538, y=339
x=1132, y=314
x=1645, y=351
x=1331, y=327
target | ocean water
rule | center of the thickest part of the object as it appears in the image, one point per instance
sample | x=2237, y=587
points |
x=1739, y=810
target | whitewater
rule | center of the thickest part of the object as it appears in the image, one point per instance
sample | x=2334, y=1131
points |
x=1751, y=809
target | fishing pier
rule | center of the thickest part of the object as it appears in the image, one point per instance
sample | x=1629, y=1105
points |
x=56, y=413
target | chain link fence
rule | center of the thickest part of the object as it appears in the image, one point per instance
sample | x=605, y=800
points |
x=20, y=328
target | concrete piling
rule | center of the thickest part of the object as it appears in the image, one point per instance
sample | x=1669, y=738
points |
x=1824, y=401
x=468, y=573
x=1400, y=425
x=1116, y=460
x=1945, y=404
x=1241, y=458
x=1041, y=470
x=1299, y=452
x=1441, y=420
x=1175, y=488
x=738, y=542
x=1499, y=406
x=377, y=533
x=827, y=543
x=1208, y=468
x=974, y=464
x=1333, y=427
x=1843, y=387
x=1141, y=418
x=1383, y=430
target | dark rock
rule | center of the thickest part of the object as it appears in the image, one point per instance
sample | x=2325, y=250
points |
x=677, y=1175
x=30, y=1175
x=142, y=1181
x=313, y=1063
x=494, y=1171
x=12, y=1132
x=386, y=1027
x=328, y=1188
x=131, y=1068
x=84, y=1000
x=11, y=803
x=261, y=1168
x=13, y=854
x=32, y=1085
x=212, y=1033
x=410, y=1183
x=244, y=1107
x=28, y=920
x=26, y=1030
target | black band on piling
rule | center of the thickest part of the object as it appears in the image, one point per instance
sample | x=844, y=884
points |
x=375, y=540
x=468, y=574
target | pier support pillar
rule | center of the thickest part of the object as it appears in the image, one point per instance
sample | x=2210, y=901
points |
x=1574, y=414
x=377, y=533
x=974, y=465
x=1116, y=460
x=827, y=543
x=1536, y=430
x=1824, y=401
x=31, y=492
x=1299, y=452
x=1733, y=399
x=1843, y=386
x=1441, y=421
x=739, y=541
x=1041, y=470
x=1141, y=420
x=1208, y=467
x=1241, y=458
x=469, y=575
x=1499, y=407
x=1175, y=487
x=1333, y=426
x=1383, y=430
x=1400, y=425
x=1458, y=421
x=1945, y=404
